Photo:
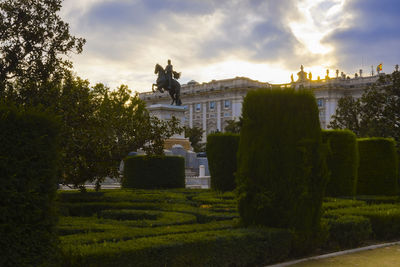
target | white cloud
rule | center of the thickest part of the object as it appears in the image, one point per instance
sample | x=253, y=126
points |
x=206, y=40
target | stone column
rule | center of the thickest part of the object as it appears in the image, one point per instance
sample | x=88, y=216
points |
x=330, y=109
x=236, y=109
x=219, y=115
x=205, y=122
x=191, y=115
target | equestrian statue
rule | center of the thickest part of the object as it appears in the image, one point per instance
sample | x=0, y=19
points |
x=167, y=80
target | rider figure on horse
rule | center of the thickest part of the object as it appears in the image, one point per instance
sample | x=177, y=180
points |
x=169, y=72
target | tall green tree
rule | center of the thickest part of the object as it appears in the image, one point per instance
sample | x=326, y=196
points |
x=233, y=126
x=195, y=135
x=33, y=43
x=101, y=126
x=376, y=113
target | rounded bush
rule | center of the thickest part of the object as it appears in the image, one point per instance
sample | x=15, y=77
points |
x=282, y=172
x=154, y=172
x=378, y=170
x=221, y=153
x=28, y=184
x=342, y=162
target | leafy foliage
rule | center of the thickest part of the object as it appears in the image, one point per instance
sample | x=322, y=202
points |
x=195, y=136
x=151, y=172
x=342, y=162
x=33, y=43
x=376, y=113
x=28, y=170
x=174, y=230
x=101, y=126
x=378, y=169
x=233, y=126
x=282, y=173
x=221, y=153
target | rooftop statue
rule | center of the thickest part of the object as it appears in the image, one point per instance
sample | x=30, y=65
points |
x=302, y=75
x=167, y=80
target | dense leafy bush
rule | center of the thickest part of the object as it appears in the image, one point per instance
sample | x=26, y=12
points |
x=378, y=170
x=239, y=247
x=151, y=172
x=384, y=218
x=221, y=153
x=28, y=172
x=348, y=231
x=342, y=162
x=282, y=171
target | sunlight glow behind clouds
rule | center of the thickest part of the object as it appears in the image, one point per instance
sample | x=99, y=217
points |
x=213, y=39
x=314, y=26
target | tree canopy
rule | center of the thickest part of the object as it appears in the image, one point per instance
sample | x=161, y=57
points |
x=376, y=113
x=34, y=41
x=99, y=126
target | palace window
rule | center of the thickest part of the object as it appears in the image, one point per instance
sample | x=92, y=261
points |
x=198, y=107
x=320, y=102
x=227, y=103
x=212, y=105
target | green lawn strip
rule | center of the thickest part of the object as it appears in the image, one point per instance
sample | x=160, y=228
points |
x=114, y=232
x=384, y=218
x=237, y=247
x=387, y=256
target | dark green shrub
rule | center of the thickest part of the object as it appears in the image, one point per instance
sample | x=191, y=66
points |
x=342, y=162
x=151, y=172
x=348, y=231
x=28, y=172
x=378, y=170
x=231, y=247
x=384, y=218
x=221, y=153
x=282, y=172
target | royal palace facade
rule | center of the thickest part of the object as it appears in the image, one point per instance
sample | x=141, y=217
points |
x=211, y=105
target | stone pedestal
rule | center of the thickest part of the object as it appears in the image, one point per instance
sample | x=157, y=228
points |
x=166, y=112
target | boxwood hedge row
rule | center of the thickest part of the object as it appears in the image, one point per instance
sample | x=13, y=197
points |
x=153, y=172
x=378, y=169
x=28, y=182
x=342, y=162
x=221, y=153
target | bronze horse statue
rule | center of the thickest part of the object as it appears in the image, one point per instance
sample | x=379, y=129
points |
x=162, y=84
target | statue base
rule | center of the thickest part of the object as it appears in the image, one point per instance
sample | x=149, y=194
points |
x=166, y=112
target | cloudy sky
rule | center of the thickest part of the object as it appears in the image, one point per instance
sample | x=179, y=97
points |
x=265, y=40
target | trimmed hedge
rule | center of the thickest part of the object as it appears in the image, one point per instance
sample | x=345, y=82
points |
x=154, y=172
x=28, y=183
x=282, y=172
x=384, y=218
x=342, y=162
x=231, y=247
x=378, y=170
x=348, y=231
x=221, y=153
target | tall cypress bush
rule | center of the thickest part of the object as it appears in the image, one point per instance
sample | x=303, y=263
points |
x=342, y=162
x=221, y=153
x=378, y=170
x=282, y=171
x=28, y=183
x=154, y=172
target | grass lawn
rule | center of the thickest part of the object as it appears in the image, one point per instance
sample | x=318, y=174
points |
x=383, y=257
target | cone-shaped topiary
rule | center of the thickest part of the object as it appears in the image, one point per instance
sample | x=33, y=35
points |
x=342, y=162
x=221, y=153
x=378, y=170
x=282, y=172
